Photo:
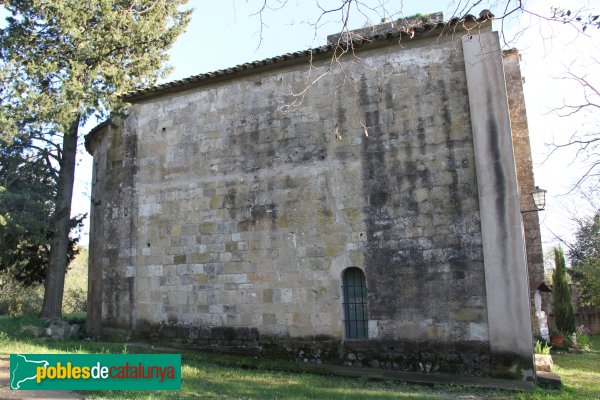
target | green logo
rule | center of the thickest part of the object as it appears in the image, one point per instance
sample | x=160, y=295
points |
x=95, y=371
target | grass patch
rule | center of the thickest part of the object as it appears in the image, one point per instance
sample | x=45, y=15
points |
x=580, y=373
x=212, y=376
x=11, y=326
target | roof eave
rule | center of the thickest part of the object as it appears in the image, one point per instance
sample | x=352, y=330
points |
x=457, y=25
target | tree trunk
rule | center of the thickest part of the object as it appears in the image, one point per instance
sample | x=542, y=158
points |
x=57, y=261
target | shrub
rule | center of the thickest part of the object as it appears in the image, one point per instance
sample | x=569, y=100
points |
x=15, y=298
x=542, y=348
x=583, y=338
x=75, y=300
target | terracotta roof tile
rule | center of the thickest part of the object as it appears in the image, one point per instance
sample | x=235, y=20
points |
x=413, y=33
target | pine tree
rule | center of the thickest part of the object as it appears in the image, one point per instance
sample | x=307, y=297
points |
x=564, y=315
x=29, y=183
x=62, y=61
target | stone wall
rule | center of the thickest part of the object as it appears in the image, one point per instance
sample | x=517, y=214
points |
x=504, y=252
x=525, y=178
x=221, y=221
x=588, y=317
x=111, y=295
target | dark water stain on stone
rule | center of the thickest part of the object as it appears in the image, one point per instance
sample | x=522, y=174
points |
x=455, y=192
x=499, y=182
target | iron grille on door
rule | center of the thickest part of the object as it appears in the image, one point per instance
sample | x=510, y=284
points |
x=355, y=303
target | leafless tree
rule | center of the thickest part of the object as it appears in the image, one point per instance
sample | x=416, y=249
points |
x=585, y=139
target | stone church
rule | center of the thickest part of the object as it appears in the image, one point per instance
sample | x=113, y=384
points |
x=377, y=222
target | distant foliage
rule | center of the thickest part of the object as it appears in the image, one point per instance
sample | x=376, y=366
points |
x=563, y=305
x=75, y=300
x=17, y=299
x=76, y=284
x=585, y=259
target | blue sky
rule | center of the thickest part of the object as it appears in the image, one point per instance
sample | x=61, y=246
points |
x=226, y=33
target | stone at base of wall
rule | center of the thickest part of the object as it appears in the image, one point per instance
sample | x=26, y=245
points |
x=543, y=363
x=468, y=357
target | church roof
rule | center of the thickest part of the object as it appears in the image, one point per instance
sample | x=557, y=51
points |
x=360, y=38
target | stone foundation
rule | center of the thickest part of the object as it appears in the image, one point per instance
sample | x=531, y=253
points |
x=472, y=358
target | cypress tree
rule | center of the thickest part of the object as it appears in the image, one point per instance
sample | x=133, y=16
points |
x=564, y=314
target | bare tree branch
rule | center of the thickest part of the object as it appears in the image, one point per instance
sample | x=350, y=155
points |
x=586, y=144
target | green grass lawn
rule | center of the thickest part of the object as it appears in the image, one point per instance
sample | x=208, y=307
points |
x=208, y=376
